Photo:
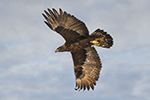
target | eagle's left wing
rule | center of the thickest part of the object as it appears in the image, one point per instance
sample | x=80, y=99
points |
x=87, y=68
x=68, y=26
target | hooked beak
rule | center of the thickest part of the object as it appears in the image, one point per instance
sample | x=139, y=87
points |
x=57, y=50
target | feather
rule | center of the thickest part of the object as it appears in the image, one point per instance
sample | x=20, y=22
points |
x=87, y=64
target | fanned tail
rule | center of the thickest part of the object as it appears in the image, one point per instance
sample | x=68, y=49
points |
x=101, y=38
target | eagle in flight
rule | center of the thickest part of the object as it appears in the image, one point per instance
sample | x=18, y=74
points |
x=87, y=64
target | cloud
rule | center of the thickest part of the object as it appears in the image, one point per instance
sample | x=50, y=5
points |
x=31, y=70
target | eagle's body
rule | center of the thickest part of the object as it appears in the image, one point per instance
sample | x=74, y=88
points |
x=87, y=63
x=76, y=46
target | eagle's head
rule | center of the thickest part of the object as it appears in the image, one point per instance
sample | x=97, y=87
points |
x=61, y=49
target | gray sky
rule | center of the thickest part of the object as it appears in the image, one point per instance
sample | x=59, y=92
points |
x=31, y=70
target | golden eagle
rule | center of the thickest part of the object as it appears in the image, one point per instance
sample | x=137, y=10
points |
x=87, y=64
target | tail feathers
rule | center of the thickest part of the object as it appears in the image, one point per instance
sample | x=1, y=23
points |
x=101, y=38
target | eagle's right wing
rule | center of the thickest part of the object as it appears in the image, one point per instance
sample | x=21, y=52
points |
x=87, y=68
x=68, y=26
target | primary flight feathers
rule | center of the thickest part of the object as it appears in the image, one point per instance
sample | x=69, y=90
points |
x=87, y=64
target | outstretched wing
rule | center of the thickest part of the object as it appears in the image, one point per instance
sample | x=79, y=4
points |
x=68, y=26
x=87, y=68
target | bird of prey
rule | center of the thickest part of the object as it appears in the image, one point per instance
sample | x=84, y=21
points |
x=79, y=43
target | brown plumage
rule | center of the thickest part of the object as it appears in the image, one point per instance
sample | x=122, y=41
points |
x=87, y=64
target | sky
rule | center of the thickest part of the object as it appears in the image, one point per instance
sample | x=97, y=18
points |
x=31, y=70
